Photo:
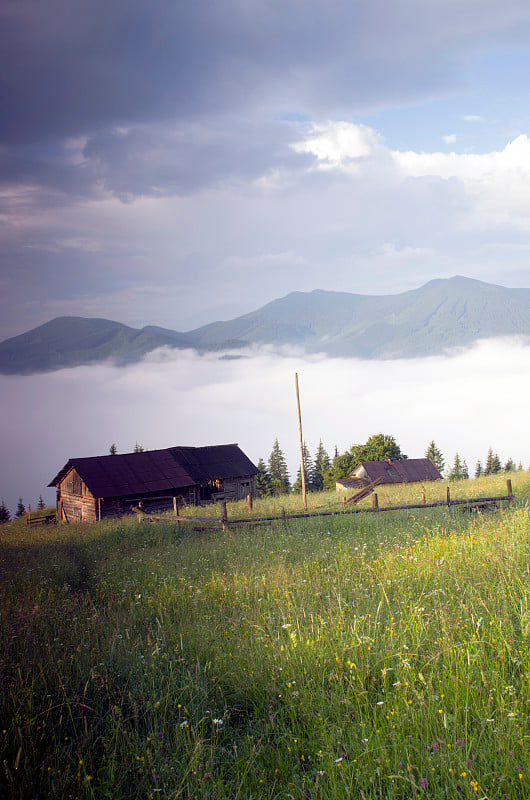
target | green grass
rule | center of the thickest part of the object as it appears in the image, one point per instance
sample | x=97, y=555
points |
x=375, y=656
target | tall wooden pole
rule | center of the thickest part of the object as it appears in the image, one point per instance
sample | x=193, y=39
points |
x=302, y=469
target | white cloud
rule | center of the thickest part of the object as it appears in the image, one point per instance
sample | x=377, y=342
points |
x=496, y=184
x=338, y=144
x=473, y=118
x=450, y=138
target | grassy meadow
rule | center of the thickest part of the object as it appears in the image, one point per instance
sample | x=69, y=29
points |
x=353, y=656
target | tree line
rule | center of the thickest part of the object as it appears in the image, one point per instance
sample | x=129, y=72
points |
x=460, y=471
x=321, y=472
x=5, y=514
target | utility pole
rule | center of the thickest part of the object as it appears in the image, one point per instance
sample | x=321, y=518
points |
x=302, y=466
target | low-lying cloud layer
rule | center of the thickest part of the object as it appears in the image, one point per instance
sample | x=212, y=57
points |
x=466, y=403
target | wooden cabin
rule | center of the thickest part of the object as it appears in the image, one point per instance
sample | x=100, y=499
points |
x=90, y=489
x=406, y=470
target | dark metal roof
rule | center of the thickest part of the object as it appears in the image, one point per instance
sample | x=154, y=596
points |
x=158, y=470
x=406, y=470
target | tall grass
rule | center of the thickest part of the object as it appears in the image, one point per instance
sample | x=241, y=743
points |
x=377, y=656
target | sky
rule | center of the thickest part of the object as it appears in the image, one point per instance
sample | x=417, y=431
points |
x=178, y=163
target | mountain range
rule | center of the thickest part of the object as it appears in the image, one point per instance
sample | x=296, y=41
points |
x=437, y=317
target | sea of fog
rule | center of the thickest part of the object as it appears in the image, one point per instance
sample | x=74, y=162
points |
x=466, y=402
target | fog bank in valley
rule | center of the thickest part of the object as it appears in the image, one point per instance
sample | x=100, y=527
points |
x=466, y=402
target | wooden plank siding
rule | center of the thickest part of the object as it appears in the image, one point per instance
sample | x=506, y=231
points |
x=75, y=501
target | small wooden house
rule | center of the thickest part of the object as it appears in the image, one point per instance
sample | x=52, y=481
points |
x=406, y=470
x=90, y=489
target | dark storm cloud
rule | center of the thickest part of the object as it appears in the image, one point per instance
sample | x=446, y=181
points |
x=71, y=67
x=161, y=160
x=171, y=96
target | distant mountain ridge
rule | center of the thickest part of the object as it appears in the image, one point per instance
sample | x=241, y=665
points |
x=441, y=315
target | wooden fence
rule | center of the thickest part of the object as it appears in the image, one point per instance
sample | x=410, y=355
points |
x=471, y=504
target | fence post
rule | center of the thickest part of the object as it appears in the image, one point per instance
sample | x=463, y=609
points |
x=249, y=501
x=448, y=497
x=509, y=487
x=375, y=501
x=423, y=495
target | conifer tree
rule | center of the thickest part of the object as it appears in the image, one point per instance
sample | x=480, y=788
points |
x=308, y=472
x=478, y=470
x=138, y=448
x=263, y=480
x=278, y=470
x=456, y=471
x=5, y=515
x=509, y=466
x=41, y=505
x=493, y=463
x=465, y=470
x=21, y=509
x=321, y=465
x=113, y=449
x=435, y=456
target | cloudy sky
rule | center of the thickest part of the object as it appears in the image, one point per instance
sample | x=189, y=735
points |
x=174, y=163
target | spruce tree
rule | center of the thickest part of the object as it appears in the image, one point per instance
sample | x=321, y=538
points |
x=456, y=471
x=478, y=470
x=138, y=448
x=21, y=509
x=113, y=449
x=5, y=515
x=308, y=472
x=509, y=466
x=321, y=465
x=278, y=470
x=435, y=456
x=263, y=480
x=41, y=505
x=465, y=471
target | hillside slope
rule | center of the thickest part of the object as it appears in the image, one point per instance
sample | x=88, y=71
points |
x=441, y=315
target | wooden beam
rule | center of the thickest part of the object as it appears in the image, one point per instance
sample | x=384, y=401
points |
x=302, y=465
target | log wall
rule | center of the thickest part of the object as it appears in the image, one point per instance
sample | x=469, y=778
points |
x=75, y=502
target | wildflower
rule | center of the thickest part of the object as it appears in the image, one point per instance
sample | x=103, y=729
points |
x=423, y=783
x=217, y=721
x=184, y=724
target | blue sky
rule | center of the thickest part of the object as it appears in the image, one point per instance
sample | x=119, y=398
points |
x=176, y=163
